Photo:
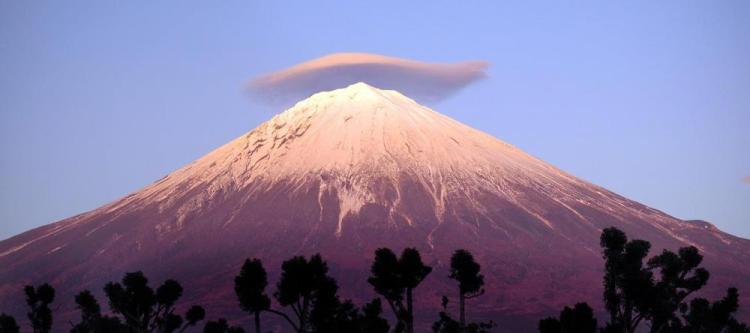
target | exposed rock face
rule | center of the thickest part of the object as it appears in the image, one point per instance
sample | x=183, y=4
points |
x=343, y=173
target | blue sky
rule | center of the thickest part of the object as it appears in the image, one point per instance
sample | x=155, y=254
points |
x=648, y=99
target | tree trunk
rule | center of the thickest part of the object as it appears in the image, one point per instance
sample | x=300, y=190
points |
x=628, y=318
x=462, y=311
x=409, y=312
x=257, y=322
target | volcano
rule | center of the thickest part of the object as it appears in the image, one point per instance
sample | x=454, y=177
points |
x=343, y=173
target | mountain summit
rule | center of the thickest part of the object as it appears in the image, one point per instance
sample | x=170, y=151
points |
x=345, y=172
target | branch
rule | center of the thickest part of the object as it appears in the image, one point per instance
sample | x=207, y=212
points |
x=297, y=310
x=283, y=315
x=396, y=312
x=305, y=306
x=475, y=295
x=637, y=320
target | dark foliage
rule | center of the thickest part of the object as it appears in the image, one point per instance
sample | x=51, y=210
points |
x=656, y=292
x=579, y=319
x=395, y=279
x=92, y=320
x=631, y=291
x=371, y=320
x=8, y=324
x=470, y=282
x=250, y=288
x=306, y=288
x=627, y=284
x=703, y=316
x=446, y=324
x=38, y=299
x=680, y=276
x=144, y=310
x=221, y=326
x=346, y=318
x=309, y=291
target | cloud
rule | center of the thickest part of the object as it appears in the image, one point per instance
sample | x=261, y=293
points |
x=746, y=179
x=424, y=82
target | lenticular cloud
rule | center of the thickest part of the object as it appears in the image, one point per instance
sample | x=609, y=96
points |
x=425, y=82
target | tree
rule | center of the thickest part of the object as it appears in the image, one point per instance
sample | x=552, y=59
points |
x=8, y=324
x=628, y=285
x=466, y=271
x=147, y=311
x=579, y=319
x=715, y=317
x=39, y=300
x=221, y=326
x=250, y=288
x=413, y=272
x=633, y=294
x=395, y=279
x=92, y=319
x=343, y=317
x=307, y=289
x=385, y=278
x=330, y=315
x=371, y=320
x=680, y=276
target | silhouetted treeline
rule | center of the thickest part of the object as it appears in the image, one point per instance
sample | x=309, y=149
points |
x=655, y=293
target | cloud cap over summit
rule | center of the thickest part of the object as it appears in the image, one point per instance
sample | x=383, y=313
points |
x=425, y=82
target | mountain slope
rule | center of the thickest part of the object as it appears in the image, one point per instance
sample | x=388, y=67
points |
x=343, y=173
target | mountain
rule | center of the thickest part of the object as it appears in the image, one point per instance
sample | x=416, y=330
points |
x=345, y=172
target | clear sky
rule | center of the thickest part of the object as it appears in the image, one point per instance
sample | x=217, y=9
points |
x=650, y=99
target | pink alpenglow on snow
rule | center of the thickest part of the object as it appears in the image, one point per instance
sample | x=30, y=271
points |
x=425, y=82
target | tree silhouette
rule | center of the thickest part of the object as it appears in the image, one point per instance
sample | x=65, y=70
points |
x=92, y=319
x=250, y=288
x=385, y=279
x=632, y=294
x=579, y=319
x=38, y=301
x=628, y=285
x=716, y=317
x=395, y=279
x=680, y=276
x=466, y=271
x=330, y=315
x=8, y=324
x=307, y=289
x=413, y=271
x=371, y=320
x=221, y=326
x=147, y=311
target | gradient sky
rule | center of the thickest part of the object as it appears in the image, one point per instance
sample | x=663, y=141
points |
x=650, y=99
